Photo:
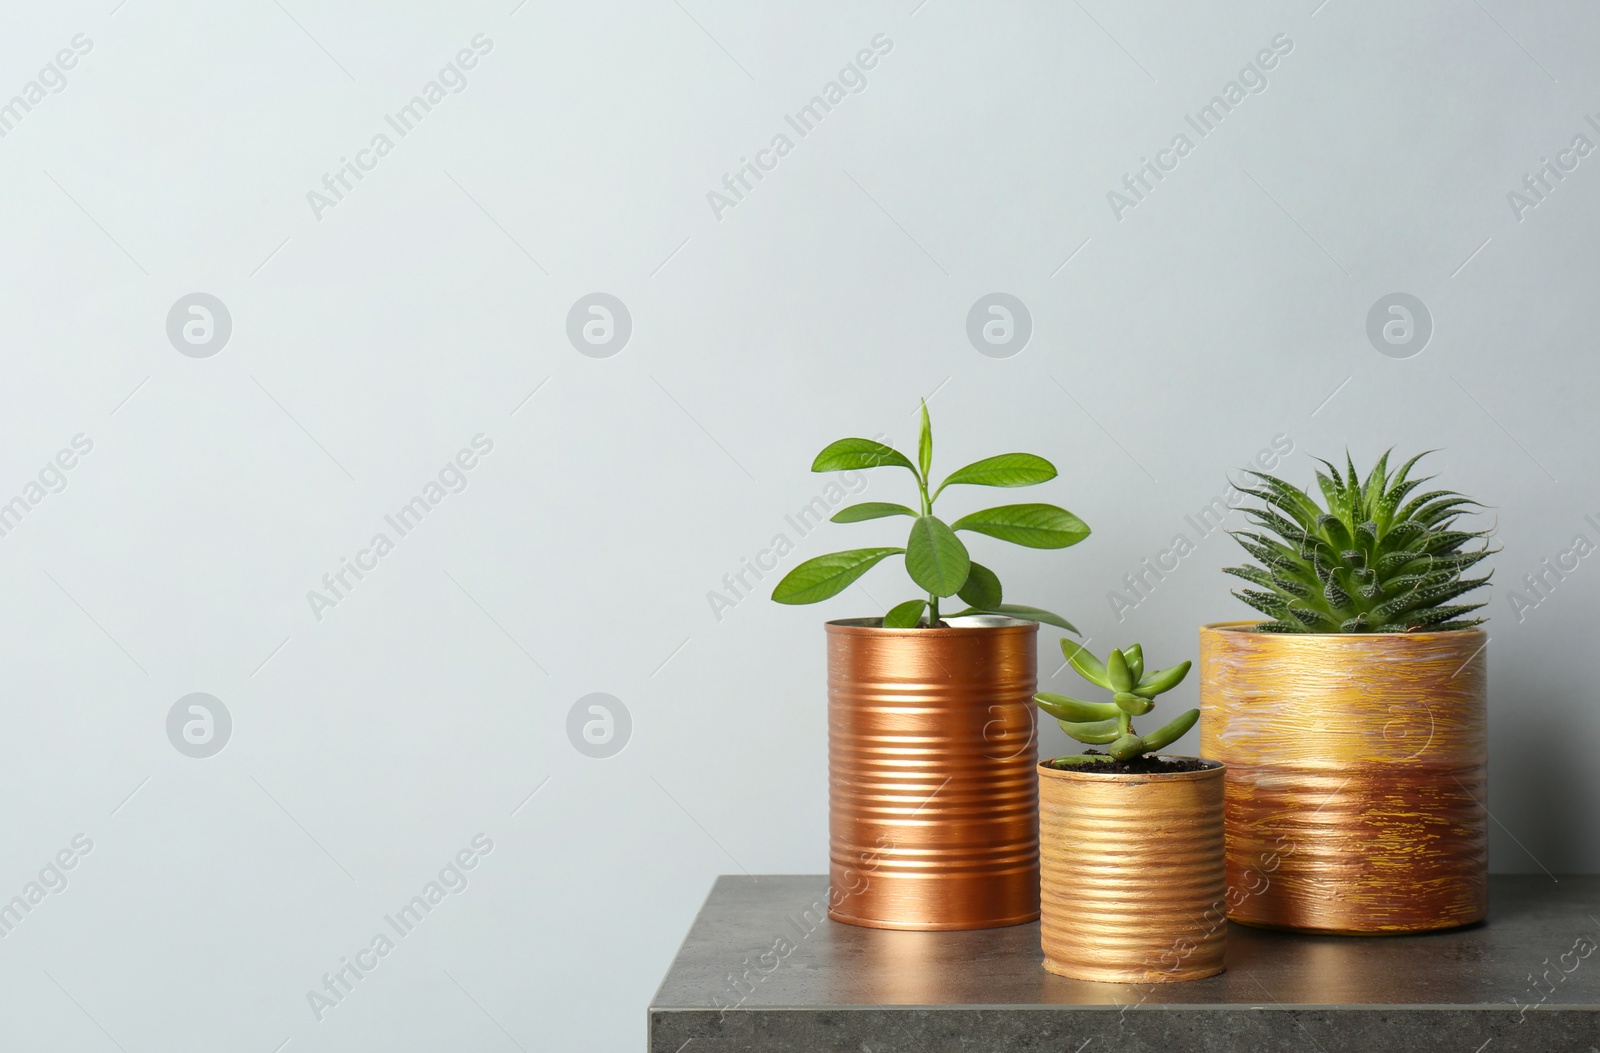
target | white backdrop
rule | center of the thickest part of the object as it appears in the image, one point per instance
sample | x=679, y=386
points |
x=384, y=321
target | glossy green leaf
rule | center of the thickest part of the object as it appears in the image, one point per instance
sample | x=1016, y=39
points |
x=925, y=442
x=935, y=558
x=982, y=588
x=817, y=579
x=905, y=615
x=1006, y=469
x=849, y=454
x=871, y=510
x=1025, y=613
x=1035, y=526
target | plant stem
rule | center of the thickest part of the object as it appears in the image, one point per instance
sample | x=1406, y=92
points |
x=927, y=510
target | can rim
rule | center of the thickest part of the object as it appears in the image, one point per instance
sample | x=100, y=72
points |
x=1213, y=769
x=1241, y=627
x=961, y=625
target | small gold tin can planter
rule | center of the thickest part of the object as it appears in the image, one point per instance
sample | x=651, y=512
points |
x=933, y=809
x=1133, y=883
x=1357, y=764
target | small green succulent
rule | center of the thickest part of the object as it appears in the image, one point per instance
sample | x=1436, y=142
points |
x=1110, y=724
x=1369, y=564
x=936, y=559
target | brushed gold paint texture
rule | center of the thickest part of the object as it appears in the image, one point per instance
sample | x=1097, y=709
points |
x=1356, y=768
x=1133, y=881
x=933, y=809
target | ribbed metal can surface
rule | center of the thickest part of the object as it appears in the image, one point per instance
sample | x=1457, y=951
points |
x=932, y=800
x=1358, y=766
x=1133, y=883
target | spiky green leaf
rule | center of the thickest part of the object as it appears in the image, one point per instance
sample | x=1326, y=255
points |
x=1376, y=557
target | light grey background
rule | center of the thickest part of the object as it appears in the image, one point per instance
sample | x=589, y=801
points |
x=430, y=305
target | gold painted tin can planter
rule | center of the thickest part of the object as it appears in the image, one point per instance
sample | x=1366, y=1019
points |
x=1133, y=882
x=933, y=810
x=1357, y=764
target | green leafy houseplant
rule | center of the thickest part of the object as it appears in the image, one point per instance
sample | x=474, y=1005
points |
x=935, y=557
x=1111, y=723
x=1366, y=564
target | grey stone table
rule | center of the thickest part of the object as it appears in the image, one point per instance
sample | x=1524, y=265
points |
x=759, y=971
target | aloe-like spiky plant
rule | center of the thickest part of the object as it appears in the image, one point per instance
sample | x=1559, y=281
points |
x=1365, y=564
x=1133, y=694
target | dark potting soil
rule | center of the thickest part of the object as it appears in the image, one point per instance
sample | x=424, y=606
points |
x=1145, y=765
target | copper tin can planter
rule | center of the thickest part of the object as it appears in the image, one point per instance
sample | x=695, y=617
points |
x=932, y=801
x=1356, y=767
x=1133, y=881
